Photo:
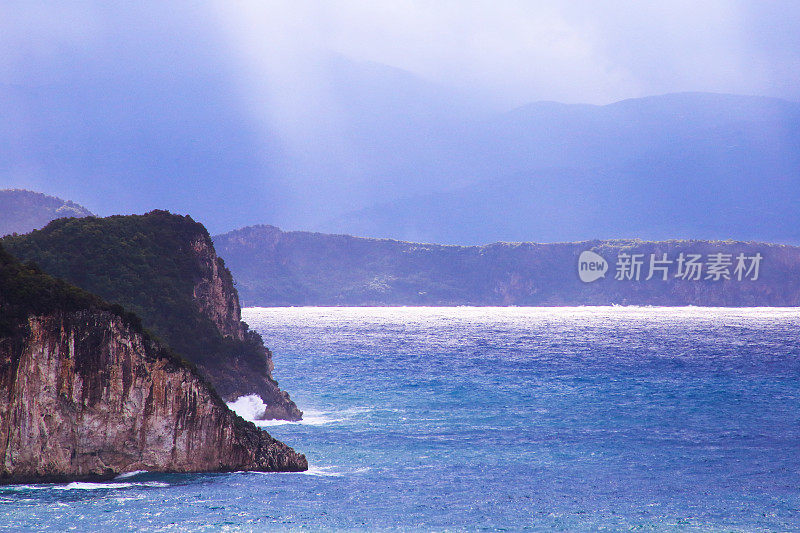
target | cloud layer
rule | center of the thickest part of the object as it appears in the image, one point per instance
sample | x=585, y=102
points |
x=295, y=112
x=517, y=51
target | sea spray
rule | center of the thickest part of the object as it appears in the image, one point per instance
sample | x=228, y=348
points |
x=249, y=407
x=252, y=408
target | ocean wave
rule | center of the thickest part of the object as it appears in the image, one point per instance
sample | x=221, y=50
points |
x=86, y=485
x=322, y=471
x=127, y=475
x=81, y=485
x=316, y=471
x=249, y=407
x=310, y=418
x=252, y=408
x=333, y=471
x=14, y=488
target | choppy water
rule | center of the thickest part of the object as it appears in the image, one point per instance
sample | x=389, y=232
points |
x=486, y=418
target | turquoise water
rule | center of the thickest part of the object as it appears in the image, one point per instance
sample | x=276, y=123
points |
x=497, y=419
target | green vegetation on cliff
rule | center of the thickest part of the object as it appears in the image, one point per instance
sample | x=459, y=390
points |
x=25, y=290
x=138, y=262
x=155, y=265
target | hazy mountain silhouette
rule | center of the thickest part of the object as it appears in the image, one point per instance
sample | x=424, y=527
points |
x=368, y=149
x=674, y=166
x=22, y=211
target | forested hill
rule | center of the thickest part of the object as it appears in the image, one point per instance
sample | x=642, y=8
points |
x=276, y=268
x=163, y=268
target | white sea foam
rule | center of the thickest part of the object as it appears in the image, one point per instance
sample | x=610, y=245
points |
x=23, y=487
x=314, y=470
x=154, y=484
x=251, y=408
x=85, y=485
x=333, y=471
x=82, y=485
x=322, y=471
x=128, y=499
x=310, y=418
x=126, y=475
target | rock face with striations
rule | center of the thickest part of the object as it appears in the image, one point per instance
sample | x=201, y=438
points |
x=163, y=267
x=85, y=393
x=214, y=292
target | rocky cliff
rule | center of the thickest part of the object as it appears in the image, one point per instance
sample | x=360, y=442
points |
x=164, y=268
x=216, y=298
x=214, y=293
x=275, y=268
x=86, y=393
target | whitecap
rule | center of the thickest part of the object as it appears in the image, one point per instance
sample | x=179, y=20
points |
x=322, y=471
x=313, y=470
x=333, y=471
x=86, y=485
x=252, y=408
x=128, y=499
x=23, y=487
x=157, y=484
x=126, y=475
x=310, y=418
x=83, y=485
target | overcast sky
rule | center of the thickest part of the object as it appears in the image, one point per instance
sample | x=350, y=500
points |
x=513, y=51
x=518, y=51
x=97, y=96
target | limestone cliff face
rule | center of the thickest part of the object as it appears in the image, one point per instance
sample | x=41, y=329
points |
x=216, y=298
x=214, y=292
x=84, y=395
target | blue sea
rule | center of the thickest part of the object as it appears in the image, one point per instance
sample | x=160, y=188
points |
x=509, y=419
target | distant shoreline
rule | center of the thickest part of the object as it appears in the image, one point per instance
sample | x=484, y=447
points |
x=277, y=268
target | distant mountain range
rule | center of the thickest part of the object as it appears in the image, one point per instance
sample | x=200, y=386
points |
x=688, y=165
x=372, y=150
x=276, y=268
x=115, y=257
x=22, y=211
